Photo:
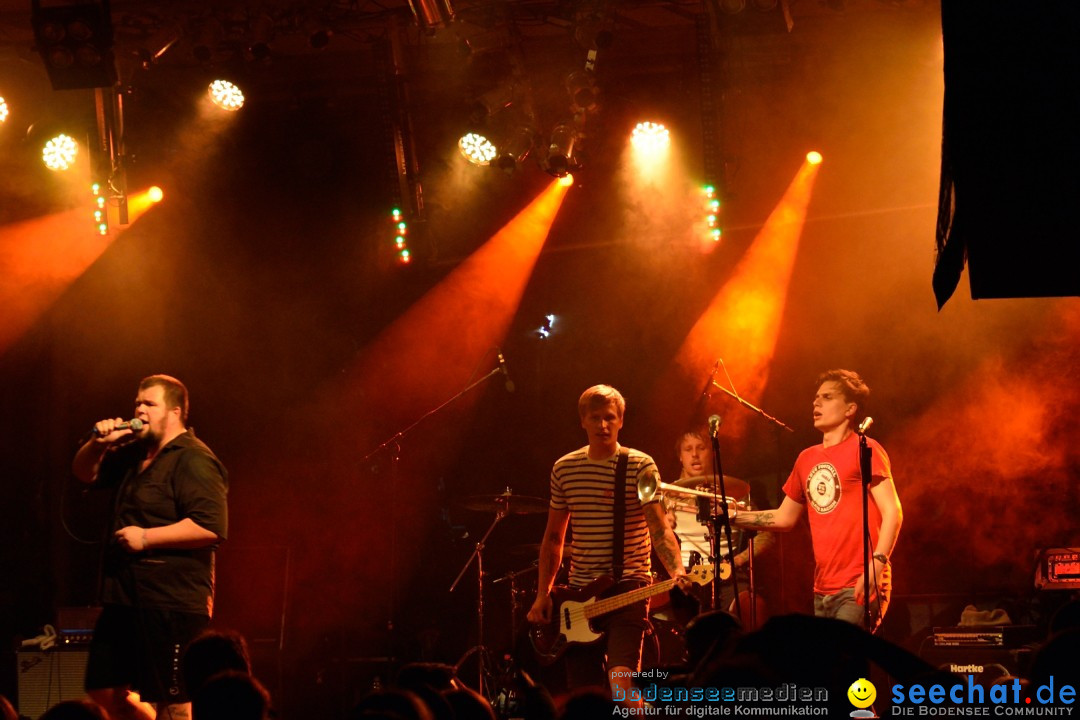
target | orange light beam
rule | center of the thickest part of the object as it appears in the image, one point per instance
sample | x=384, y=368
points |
x=742, y=322
x=438, y=341
x=41, y=257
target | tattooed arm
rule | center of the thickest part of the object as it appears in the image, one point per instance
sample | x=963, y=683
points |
x=778, y=520
x=663, y=540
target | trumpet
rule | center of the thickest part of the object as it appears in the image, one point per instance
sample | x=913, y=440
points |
x=649, y=485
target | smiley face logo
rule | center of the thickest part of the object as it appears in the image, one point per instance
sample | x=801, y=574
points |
x=862, y=693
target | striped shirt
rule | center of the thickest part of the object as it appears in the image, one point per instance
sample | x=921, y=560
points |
x=586, y=488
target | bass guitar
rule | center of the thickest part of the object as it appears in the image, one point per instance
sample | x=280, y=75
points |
x=574, y=608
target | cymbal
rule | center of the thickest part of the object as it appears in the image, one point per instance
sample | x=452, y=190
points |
x=505, y=502
x=735, y=487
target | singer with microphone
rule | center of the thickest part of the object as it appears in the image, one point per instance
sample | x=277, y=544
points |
x=170, y=515
x=827, y=480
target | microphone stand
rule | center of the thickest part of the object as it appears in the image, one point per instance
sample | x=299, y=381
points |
x=865, y=468
x=715, y=522
x=394, y=442
x=753, y=408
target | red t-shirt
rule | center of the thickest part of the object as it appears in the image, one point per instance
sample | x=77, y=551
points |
x=829, y=482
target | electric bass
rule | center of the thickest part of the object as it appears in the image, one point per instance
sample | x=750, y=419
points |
x=574, y=608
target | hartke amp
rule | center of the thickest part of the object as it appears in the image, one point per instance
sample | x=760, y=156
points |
x=47, y=677
x=985, y=663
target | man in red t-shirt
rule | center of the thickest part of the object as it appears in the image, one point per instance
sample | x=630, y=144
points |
x=827, y=478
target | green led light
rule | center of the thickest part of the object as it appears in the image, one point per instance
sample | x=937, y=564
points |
x=400, y=241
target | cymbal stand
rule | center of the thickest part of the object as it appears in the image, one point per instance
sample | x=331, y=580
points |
x=479, y=650
x=515, y=605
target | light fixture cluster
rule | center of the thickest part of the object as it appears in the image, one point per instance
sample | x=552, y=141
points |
x=712, y=213
x=401, y=243
x=226, y=95
x=59, y=152
x=3, y=109
x=101, y=213
x=650, y=138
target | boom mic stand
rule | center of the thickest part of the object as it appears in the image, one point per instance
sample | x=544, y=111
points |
x=779, y=425
x=721, y=519
x=394, y=442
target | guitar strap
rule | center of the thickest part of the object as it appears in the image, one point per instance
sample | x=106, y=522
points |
x=618, y=526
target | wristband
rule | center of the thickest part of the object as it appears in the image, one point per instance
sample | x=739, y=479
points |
x=882, y=557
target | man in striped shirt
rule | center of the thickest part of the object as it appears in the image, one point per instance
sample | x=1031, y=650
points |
x=583, y=497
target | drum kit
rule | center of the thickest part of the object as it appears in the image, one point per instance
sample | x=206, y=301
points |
x=688, y=502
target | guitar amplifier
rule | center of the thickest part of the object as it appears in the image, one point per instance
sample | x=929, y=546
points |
x=48, y=677
x=1002, y=636
x=985, y=663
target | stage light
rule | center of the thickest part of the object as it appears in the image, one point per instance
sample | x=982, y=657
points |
x=732, y=7
x=226, y=95
x=650, y=137
x=582, y=88
x=101, y=216
x=493, y=101
x=476, y=148
x=59, y=152
x=561, y=149
x=517, y=146
x=318, y=35
x=432, y=14
x=814, y=157
x=566, y=180
x=262, y=32
x=75, y=40
x=155, y=194
x=3, y=110
x=404, y=257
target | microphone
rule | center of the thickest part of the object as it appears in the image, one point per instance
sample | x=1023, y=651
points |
x=135, y=425
x=714, y=424
x=865, y=425
x=708, y=383
x=505, y=371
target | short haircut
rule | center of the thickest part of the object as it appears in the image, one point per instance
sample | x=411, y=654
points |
x=701, y=433
x=176, y=395
x=853, y=387
x=598, y=396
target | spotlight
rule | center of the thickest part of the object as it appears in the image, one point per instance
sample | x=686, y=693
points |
x=582, y=88
x=561, y=149
x=650, y=137
x=545, y=329
x=516, y=148
x=432, y=14
x=566, y=180
x=155, y=194
x=75, y=40
x=262, y=31
x=814, y=157
x=318, y=36
x=476, y=148
x=3, y=110
x=226, y=95
x=59, y=152
x=491, y=102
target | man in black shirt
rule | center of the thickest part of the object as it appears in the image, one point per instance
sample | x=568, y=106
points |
x=158, y=581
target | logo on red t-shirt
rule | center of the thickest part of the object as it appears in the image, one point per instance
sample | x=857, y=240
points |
x=823, y=488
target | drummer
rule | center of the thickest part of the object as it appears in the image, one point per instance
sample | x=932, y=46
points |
x=694, y=451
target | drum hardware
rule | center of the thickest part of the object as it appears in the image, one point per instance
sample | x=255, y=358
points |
x=515, y=593
x=503, y=504
x=734, y=486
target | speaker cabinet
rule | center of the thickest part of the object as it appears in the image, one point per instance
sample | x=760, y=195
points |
x=985, y=663
x=46, y=678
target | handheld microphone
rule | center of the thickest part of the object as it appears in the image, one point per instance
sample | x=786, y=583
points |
x=865, y=425
x=714, y=425
x=135, y=425
x=505, y=371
